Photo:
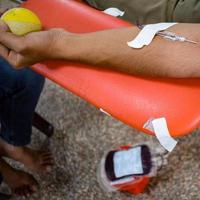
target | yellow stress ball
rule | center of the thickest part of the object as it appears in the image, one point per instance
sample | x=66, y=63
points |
x=21, y=21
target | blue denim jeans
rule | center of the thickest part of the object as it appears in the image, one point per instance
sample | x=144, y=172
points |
x=19, y=94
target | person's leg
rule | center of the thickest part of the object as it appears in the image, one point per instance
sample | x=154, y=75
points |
x=19, y=91
x=19, y=94
x=20, y=183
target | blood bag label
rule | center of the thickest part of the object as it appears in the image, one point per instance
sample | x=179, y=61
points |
x=128, y=162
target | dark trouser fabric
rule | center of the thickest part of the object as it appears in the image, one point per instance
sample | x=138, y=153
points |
x=153, y=11
x=187, y=11
x=19, y=94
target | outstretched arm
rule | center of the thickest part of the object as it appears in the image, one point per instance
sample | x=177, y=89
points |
x=108, y=49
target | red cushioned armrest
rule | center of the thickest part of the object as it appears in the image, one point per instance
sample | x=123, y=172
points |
x=130, y=99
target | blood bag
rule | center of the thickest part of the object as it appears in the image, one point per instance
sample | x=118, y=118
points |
x=128, y=168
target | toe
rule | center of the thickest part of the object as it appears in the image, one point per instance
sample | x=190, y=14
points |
x=48, y=160
x=19, y=192
x=47, y=168
x=34, y=186
x=46, y=153
x=24, y=192
x=27, y=191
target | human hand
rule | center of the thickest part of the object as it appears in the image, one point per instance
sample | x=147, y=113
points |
x=32, y=48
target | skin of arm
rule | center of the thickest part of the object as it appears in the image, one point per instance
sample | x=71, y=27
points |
x=108, y=49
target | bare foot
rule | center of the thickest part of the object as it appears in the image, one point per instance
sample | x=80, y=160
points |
x=21, y=183
x=39, y=161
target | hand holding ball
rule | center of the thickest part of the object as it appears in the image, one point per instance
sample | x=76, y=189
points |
x=21, y=21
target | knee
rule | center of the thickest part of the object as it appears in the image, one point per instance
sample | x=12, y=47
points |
x=33, y=81
x=17, y=80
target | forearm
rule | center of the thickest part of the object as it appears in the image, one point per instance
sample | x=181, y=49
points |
x=163, y=58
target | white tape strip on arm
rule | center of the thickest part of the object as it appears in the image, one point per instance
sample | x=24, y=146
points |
x=115, y=12
x=159, y=127
x=147, y=34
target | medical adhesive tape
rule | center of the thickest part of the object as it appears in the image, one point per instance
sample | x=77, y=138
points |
x=160, y=128
x=147, y=34
x=115, y=12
